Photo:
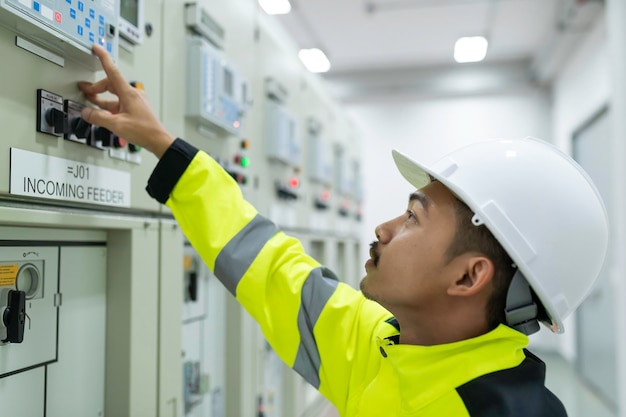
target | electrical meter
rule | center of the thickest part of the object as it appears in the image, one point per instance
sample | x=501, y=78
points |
x=320, y=154
x=281, y=134
x=217, y=94
x=67, y=28
x=131, y=20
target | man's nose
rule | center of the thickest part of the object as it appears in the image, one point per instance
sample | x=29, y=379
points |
x=387, y=230
x=384, y=232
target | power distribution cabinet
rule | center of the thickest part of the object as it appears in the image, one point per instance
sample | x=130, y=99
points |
x=203, y=340
x=57, y=369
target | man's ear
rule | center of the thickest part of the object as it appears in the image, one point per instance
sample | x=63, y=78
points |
x=477, y=275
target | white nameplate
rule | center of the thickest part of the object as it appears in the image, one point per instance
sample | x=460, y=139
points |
x=44, y=176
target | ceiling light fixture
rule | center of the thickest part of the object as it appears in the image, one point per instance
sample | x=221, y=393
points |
x=314, y=60
x=470, y=49
x=275, y=6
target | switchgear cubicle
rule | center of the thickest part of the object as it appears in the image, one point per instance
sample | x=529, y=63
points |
x=106, y=310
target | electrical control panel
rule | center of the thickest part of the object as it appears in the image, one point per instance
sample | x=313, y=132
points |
x=217, y=93
x=320, y=155
x=52, y=155
x=342, y=171
x=281, y=141
x=67, y=28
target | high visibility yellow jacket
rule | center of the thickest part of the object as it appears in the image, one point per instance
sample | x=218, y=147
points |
x=343, y=344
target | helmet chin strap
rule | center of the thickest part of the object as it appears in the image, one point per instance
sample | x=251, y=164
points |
x=521, y=310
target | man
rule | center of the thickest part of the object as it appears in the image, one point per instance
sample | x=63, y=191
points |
x=497, y=236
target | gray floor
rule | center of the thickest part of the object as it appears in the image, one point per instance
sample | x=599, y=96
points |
x=563, y=380
x=576, y=395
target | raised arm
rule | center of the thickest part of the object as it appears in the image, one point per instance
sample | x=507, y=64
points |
x=320, y=327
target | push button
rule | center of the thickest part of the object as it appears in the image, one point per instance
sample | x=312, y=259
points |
x=118, y=142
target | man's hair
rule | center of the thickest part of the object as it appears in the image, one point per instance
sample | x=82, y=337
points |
x=471, y=238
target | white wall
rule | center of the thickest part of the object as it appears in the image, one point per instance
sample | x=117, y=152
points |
x=582, y=87
x=580, y=90
x=428, y=128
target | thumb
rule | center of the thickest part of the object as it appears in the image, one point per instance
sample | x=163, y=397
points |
x=98, y=117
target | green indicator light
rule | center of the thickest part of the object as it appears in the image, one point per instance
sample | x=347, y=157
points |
x=245, y=161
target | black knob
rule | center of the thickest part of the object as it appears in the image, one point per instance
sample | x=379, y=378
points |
x=104, y=136
x=80, y=127
x=57, y=119
x=14, y=316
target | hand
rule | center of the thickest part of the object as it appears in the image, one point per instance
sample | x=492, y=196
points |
x=130, y=116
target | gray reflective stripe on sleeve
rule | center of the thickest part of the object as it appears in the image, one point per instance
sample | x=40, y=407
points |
x=316, y=291
x=236, y=257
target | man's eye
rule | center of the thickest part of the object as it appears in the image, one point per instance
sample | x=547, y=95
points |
x=410, y=215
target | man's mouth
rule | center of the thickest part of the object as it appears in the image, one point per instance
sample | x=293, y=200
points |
x=373, y=255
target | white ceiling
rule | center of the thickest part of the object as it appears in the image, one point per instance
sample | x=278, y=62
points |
x=384, y=41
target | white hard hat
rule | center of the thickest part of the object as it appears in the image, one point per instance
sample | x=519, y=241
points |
x=539, y=204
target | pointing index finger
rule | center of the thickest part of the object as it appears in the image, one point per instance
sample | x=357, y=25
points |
x=114, y=75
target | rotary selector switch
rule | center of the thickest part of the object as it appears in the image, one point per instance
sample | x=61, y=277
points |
x=58, y=120
x=51, y=117
x=80, y=128
x=14, y=316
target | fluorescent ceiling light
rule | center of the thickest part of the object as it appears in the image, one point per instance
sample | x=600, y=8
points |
x=314, y=60
x=275, y=6
x=470, y=49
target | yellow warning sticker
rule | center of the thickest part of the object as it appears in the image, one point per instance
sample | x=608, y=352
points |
x=8, y=275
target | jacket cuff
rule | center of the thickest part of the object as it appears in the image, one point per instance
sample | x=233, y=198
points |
x=169, y=169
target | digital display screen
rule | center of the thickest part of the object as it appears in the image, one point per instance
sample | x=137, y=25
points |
x=129, y=10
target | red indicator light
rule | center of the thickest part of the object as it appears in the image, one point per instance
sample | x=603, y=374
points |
x=325, y=195
x=294, y=182
x=236, y=124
